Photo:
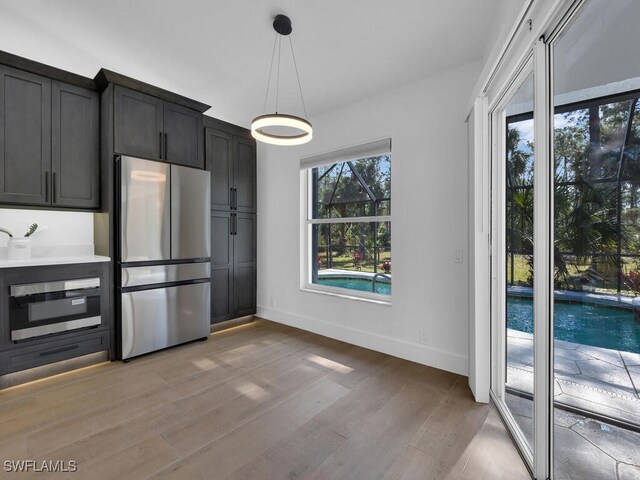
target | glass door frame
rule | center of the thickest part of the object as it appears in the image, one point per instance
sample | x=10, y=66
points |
x=498, y=128
x=537, y=60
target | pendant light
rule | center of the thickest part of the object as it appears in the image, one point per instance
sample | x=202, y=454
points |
x=303, y=130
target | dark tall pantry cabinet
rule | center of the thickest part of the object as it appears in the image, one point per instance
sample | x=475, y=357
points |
x=230, y=155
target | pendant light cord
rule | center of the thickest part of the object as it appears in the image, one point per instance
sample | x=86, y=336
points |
x=278, y=40
x=295, y=64
x=278, y=78
x=273, y=53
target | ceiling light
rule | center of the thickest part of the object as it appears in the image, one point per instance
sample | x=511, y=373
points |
x=302, y=129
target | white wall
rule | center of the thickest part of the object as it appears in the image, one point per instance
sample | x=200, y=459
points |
x=429, y=188
x=59, y=233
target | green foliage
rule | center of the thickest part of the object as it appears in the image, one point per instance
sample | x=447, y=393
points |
x=588, y=145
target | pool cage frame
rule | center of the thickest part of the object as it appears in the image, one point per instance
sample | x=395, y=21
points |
x=625, y=152
x=372, y=200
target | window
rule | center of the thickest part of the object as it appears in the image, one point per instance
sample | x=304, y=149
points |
x=349, y=221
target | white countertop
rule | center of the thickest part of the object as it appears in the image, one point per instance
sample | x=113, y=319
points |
x=38, y=261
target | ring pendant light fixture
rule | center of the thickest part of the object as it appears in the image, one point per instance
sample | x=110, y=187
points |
x=303, y=131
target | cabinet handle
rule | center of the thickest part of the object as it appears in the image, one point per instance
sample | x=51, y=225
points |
x=231, y=198
x=53, y=188
x=46, y=187
x=166, y=153
x=160, y=143
x=58, y=350
x=235, y=198
x=234, y=224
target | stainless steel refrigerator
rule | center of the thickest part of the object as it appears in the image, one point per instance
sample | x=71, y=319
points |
x=164, y=249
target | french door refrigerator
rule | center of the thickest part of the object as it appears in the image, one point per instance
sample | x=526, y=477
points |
x=163, y=250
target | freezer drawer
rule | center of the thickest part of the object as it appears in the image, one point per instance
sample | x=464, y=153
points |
x=163, y=317
x=154, y=274
x=190, y=213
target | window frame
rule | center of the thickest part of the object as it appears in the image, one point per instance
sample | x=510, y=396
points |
x=307, y=222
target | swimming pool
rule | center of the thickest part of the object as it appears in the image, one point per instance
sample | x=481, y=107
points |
x=581, y=323
x=362, y=284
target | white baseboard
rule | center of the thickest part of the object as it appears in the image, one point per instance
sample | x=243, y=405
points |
x=414, y=352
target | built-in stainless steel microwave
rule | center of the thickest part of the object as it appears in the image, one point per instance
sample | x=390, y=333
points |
x=38, y=309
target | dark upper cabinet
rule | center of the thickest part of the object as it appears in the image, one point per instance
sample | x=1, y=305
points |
x=231, y=159
x=49, y=142
x=233, y=265
x=138, y=124
x=75, y=155
x=219, y=146
x=25, y=137
x=183, y=142
x=244, y=174
x=149, y=127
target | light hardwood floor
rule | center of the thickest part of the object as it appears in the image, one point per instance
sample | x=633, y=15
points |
x=260, y=401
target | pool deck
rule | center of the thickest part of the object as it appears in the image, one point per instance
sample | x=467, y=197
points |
x=600, y=380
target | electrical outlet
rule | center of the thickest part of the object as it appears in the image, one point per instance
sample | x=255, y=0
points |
x=423, y=338
x=273, y=302
x=458, y=256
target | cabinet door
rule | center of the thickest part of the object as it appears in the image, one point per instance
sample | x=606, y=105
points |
x=244, y=264
x=219, y=151
x=25, y=137
x=75, y=160
x=183, y=142
x=245, y=174
x=138, y=124
x=221, y=266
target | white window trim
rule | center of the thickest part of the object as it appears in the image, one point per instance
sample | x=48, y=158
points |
x=307, y=223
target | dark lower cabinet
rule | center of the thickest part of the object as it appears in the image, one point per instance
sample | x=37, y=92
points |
x=233, y=265
x=25, y=137
x=25, y=357
x=45, y=349
x=244, y=264
x=75, y=141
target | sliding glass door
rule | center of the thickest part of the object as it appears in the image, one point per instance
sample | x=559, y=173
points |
x=596, y=227
x=565, y=243
x=513, y=319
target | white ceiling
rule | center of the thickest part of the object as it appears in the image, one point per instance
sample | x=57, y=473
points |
x=218, y=52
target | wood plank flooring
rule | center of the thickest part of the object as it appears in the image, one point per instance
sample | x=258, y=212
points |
x=259, y=401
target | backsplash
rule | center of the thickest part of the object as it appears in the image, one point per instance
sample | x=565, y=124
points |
x=59, y=234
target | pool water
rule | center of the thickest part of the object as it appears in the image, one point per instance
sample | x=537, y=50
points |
x=581, y=323
x=362, y=284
